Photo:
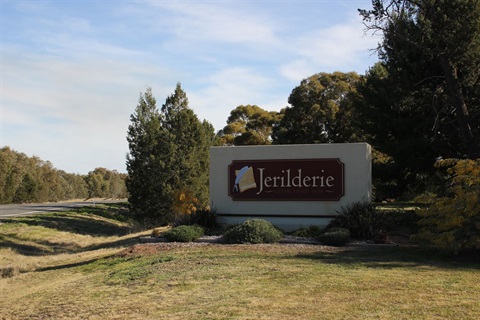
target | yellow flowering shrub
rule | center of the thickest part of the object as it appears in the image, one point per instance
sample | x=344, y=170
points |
x=184, y=203
x=453, y=222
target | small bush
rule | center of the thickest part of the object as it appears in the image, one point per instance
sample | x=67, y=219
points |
x=207, y=219
x=362, y=219
x=309, y=232
x=184, y=233
x=157, y=232
x=253, y=231
x=9, y=272
x=336, y=237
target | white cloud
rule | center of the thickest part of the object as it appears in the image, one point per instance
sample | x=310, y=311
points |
x=72, y=78
x=228, y=23
x=342, y=47
x=226, y=89
x=64, y=111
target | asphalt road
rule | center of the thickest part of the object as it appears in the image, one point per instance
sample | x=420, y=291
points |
x=17, y=210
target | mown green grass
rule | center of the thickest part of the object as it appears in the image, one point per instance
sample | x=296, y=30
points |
x=215, y=281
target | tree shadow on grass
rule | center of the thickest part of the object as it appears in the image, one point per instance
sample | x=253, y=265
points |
x=390, y=257
x=70, y=265
x=90, y=221
x=46, y=247
x=74, y=223
x=113, y=211
x=30, y=249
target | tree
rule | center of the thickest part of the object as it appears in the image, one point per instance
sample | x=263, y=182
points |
x=146, y=163
x=169, y=153
x=432, y=49
x=397, y=127
x=97, y=187
x=320, y=111
x=249, y=125
x=102, y=182
x=11, y=174
x=188, y=146
x=74, y=185
x=30, y=179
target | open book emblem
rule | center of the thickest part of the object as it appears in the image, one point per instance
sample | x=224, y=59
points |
x=244, y=180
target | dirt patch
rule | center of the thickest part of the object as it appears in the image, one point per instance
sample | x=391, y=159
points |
x=153, y=245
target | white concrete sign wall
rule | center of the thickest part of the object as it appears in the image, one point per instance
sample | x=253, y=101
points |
x=292, y=186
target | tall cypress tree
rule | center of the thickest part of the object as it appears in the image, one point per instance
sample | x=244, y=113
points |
x=169, y=152
x=189, y=143
x=146, y=163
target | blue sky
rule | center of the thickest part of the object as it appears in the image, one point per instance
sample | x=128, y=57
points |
x=72, y=71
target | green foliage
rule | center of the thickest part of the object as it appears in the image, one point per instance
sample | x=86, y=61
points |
x=149, y=192
x=169, y=153
x=253, y=231
x=184, y=233
x=104, y=183
x=205, y=218
x=419, y=102
x=30, y=179
x=308, y=232
x=362, y=219
x=453, y=222
x=398, y=128
x=336, y=237
x=320, y=111
x=188, y=147
x=249, y=125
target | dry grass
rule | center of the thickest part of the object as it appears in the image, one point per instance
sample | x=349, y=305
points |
x=34, y=242
x=214, y=281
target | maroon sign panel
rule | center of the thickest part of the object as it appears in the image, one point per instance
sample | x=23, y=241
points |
x=290, y=180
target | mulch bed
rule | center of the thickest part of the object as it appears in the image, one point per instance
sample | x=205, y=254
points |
x=154, y=245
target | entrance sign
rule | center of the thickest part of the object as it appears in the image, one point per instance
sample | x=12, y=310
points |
x=286, y=180
x=292, y=186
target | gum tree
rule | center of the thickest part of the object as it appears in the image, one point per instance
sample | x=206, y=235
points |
x=320, y=111
x=249, y=125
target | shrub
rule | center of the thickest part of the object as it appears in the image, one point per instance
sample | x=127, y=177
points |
x=253, y=231
x=452, y=222
x=335, y=237
x=207, y=219
x=157, y=232
x=184, y=233
x=309, y=232
x=184, y=202
x=362, y=219
x=9, y=272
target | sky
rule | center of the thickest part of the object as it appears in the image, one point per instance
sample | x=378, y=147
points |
x=71, y=71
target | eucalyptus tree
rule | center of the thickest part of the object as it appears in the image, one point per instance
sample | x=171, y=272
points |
x=249, y=125
x=320, y=111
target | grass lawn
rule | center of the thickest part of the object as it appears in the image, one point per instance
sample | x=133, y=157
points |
x=60, y=267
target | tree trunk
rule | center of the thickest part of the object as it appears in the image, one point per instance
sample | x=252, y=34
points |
x=461, y=110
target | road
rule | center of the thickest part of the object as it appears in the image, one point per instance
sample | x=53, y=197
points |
x=17, y=210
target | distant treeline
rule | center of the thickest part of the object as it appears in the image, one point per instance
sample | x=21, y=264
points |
x=30, y=179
